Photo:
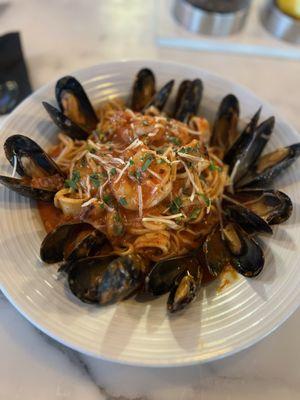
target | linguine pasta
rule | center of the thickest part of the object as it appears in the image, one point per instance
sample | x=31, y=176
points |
x=150, y=183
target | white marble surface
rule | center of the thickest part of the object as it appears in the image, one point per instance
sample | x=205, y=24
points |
x=63, y=35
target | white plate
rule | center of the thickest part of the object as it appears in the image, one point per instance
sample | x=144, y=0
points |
x=217, y=324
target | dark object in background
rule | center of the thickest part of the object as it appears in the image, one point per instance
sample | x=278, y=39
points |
x=212, y=17
x=14, y=81
x=220, y=6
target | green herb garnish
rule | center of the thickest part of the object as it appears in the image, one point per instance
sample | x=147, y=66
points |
x=95, y=180
x=176, y=205
x=118, y=227
x=108, y=199
x=72, y=183
x=194, y=214
x=113, y=171
x=214, y=167
x=175, y=140
x=123, y=201
x=147, y=162
x=205, y=199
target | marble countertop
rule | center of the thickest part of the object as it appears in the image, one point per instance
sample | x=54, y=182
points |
x=63, y=35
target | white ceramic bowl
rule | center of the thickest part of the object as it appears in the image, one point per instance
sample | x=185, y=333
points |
x=217, y=324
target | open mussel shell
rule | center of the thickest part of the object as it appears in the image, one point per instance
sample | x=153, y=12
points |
x=65, y=124
x=30, y=158
x=143, y=89
x=75, y=104
x=233, y=246
x=225, y=130
x=83, y=277
x=23, y=187
x=164, y=273
x=247, y=219
x=270, y=166
x=160, y=98
x=190, y=101
x=103, y=281
x=185, y=288
x=273, y=206
x=70, y=242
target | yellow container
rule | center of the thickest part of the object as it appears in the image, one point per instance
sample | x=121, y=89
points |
x=291, y=7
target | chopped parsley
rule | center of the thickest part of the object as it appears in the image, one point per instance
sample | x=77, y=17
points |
x=194, y=214
x=118, y=227
x=107, y=198
x=205, y=199
x=123, y=201
x=95, y=180
x=147, y=162
x=176, y=205
x=175, y=140
x=101, y=205
x=113, y=171
x=72, y=183
x=214, y=167
x=131, y=162
x=138, y=175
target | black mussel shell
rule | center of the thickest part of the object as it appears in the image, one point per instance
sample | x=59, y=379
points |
x=273, y=206
x=247, y=256
x=162, y=276
x=65, y=124
x=184, y=85
x=143, y=89
x=237, y=156
x=70, y=241
x=31, y=159
x=225, y=130
x=161, y=97
x=190, y=101
x=247, y=219
x=233, y=246
x=70, y=93
x=84, y=275
x=270, y=166
x=185, y=288
x=95, y=280
x=24, y=188
x=216, y=253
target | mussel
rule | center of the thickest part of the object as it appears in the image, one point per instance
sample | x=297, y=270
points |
x=231, y=245
x=65, y=124
x=41, y=178
x=70, y=242
x=190, y=100
x=270, y=166
x=161, y=97
x=143, y=89
x=273, y=206
x=225, y=129
x=75, y=104
x=105, y=281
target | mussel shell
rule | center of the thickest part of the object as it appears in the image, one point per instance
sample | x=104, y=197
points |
x=190, y=101
x=216, y=253
x=161, y=97
x=235, y=248
x=70, y=85
x=26, y=190
x=84, y=275
x=70, y=241
x=143, y=89
x=273, y=206
x=247, y=219
x=247, y=256
x=123, y=276
x=270, y=166
x=65, y=124
x=184, y=85
x=238, y=154
x=162, y=276
x=185, y=288
x=31, y=159
x=225, y=130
